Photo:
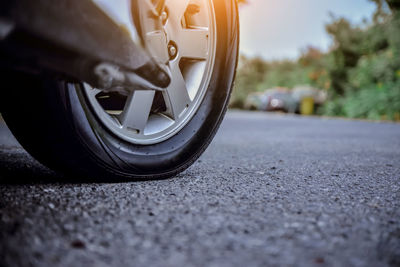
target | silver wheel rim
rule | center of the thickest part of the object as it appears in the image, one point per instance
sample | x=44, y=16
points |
x=146, y=117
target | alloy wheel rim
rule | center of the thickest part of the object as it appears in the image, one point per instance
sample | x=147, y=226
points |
x=185, y=43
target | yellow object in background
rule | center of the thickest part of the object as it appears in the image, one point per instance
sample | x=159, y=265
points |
x=307, y=106
x=397, y=116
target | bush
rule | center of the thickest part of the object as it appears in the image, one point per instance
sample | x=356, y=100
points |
x=361, y=71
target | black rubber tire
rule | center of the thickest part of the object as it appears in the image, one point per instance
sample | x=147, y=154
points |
x=51, y=120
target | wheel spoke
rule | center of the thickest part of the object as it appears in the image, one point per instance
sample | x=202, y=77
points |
x=137, y=109
x=176, y=8
x=177, y=94
x=91, y=90
x=150, y=7
x=194, y=43
x=157, y=43
x=94, y=92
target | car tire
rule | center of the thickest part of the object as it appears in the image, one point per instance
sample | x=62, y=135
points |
x=52, y=120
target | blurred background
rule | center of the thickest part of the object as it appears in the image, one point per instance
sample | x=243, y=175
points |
x=332, y=58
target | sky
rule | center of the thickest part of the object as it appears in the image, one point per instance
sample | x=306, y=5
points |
x=279, y=29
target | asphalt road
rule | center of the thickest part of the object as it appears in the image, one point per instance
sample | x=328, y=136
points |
x=271, y=190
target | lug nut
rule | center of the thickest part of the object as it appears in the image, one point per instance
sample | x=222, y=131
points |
x=172, y=50
x=164, y=17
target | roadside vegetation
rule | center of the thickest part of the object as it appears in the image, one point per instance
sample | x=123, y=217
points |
x=360, y=72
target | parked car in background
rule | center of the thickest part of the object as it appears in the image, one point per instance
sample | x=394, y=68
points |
x=301, y=99
x=278, y=99
x=254, y=101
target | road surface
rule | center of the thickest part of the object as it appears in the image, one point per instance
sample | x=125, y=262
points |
x=270, y=190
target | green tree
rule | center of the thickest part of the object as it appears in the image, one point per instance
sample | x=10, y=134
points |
x=249, y=75
x=361, y=71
